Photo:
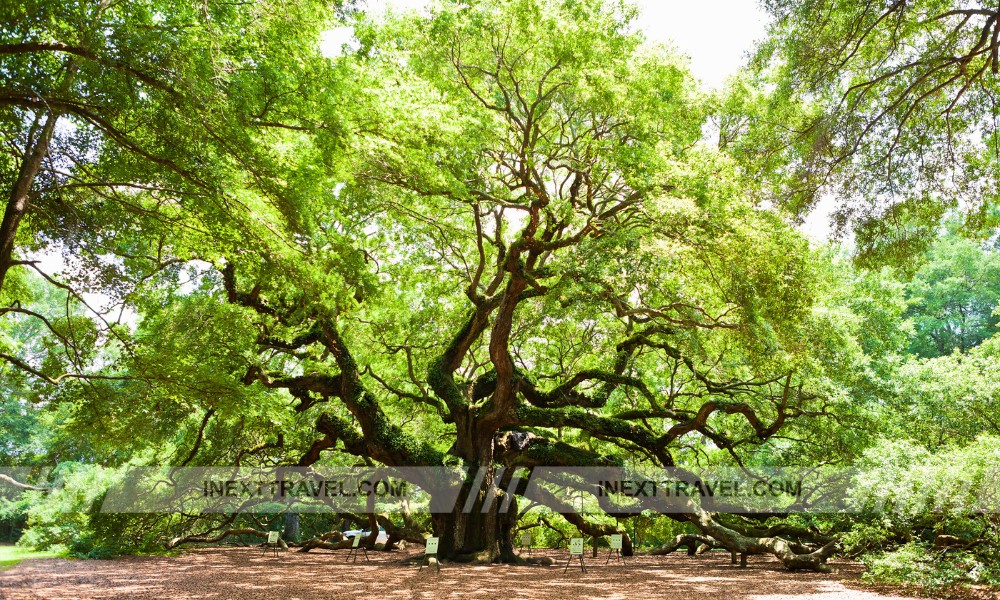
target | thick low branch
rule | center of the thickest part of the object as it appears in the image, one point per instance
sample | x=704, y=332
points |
x=323, y=541
x=22, y=486
x=784, y=550
x=523, y=449
x=687, y=540
x=214, y=539
x=604, y=427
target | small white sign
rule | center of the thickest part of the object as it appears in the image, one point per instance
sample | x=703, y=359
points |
x=432, y=546
x=357, y=540
x=526, y=539
x=272, y=537
x=576, y=546
x=616, y=541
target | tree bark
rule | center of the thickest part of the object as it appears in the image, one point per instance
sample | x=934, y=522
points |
x=292, y=533
x=213, y=539
x=476, y=530
x=323, y=541
x=18, y=200
x=689, y=541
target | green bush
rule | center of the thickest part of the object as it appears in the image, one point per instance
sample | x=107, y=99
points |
x=13, y=518
x=69, y=516
x=915, y=563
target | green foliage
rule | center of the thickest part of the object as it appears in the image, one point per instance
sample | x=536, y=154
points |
x=949, y=399
x=915, y=564
x=62, y=519
x=866, y=535
x=913, y=483
x=497, y=218
x=13, y=518
x=909, y=496
x=661, y=530
x=177, y=123
x=553, y=533
x=755, y=113
x=953, y=296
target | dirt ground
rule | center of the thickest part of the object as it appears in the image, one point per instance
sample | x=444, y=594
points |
x=243, y=573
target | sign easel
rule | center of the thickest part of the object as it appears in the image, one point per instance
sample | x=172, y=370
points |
x=431, y=554
x=525, y=542
x=616, y=549
x=576, y=549
x=272, y=542
x=354, y=550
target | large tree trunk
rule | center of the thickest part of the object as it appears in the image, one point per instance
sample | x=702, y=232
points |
x=466, y=536
x=292, y=531
x=475, y=530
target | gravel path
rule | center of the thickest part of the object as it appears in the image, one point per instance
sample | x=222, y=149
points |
x=242, y=573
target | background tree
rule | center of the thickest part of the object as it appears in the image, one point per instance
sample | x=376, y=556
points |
x=953, y=297
x=893, y=108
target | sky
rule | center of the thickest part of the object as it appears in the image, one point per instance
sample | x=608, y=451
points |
x=716, y=37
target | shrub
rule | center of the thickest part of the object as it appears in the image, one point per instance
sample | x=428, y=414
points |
x=915, y=563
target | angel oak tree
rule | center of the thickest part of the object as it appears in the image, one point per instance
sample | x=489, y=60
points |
x=533, y=260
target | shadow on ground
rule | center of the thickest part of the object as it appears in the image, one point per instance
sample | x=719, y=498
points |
x=243, y=573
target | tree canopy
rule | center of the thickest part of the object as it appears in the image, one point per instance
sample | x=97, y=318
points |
x=495, y=235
